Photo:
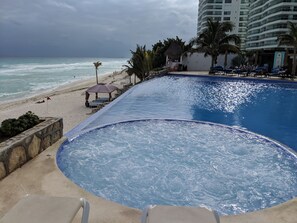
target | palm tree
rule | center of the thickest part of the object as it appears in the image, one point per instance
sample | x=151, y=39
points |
x=290, y=39
x=140, y=64
x=97, y=64
x=214, y=40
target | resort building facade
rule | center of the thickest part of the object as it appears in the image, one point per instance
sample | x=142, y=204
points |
x=235, y=11
x=267, y=20
x=257, y=22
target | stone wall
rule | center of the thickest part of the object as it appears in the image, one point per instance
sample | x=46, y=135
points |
x=21, y=148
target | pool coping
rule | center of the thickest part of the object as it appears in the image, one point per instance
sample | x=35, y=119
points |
x=234, y=76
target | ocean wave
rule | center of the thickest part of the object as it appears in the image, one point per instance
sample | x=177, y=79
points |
x=28, y=69
x=13, y=94
x=34, y=68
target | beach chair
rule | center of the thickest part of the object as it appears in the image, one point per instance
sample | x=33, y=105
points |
x=174, y=214
x=98, y=102
x=46, y=209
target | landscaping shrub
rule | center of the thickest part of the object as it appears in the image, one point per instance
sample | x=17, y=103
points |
x=11, y=127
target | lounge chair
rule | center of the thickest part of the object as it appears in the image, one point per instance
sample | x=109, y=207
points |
x=97, y=102
x=174, y=214
x=46, y=209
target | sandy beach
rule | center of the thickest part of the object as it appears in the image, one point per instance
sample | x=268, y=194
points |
x=67, y=102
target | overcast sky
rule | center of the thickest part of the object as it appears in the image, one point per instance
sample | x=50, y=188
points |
x=104, y=28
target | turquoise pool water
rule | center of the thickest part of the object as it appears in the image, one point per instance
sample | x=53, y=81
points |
x=241, y=171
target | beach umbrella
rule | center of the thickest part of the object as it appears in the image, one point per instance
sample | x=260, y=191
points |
x=100, y=88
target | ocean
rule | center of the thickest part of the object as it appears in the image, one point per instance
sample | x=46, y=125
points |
x=24, y=77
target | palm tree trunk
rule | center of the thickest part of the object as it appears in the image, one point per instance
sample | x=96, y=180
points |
x=286, y=58
x=97, y=77
x=294, y=62
x=226, y=56
x=212, y=61
x=256, y=58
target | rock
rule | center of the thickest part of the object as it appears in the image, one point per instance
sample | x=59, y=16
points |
x=46, y=142
x=34, y=147
x=17, y=158
x=2, y=170
x=56, y=136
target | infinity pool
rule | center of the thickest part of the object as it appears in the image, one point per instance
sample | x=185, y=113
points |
x=176, y=162
x=268, y=107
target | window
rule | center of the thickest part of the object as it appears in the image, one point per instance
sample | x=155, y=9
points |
x=226, y=18
x=244, y=13
x=227, y=13
x=228, y=1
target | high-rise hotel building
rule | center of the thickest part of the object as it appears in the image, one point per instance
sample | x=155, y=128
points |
x=257, y=22
x=267, y=20
x=235, y=11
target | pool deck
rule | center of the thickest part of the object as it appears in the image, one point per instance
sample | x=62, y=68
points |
x=205, y=73
x=42, y=176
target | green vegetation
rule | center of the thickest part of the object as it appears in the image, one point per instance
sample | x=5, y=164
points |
x=141, y=63
x=12, y=127
x=290, y=40
x=214, y=40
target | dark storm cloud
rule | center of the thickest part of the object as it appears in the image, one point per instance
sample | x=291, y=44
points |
x=91, y=27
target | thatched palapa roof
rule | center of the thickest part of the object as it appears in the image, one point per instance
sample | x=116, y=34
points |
x=174, y=51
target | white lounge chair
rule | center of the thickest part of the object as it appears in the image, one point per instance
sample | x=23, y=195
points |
x=174, y=214
x=46, y=209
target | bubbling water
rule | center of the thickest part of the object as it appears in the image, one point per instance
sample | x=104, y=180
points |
x=181, y=163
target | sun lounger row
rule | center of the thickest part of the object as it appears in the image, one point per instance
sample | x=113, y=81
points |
x=259, y=71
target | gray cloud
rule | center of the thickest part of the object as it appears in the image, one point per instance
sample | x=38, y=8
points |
x=61, y=5
x=97, y=28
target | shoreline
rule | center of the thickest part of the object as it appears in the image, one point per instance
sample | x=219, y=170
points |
x=67, y=101
x=74, y=85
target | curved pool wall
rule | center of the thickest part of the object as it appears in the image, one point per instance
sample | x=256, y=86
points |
x=179, y=162
x=267, y=107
